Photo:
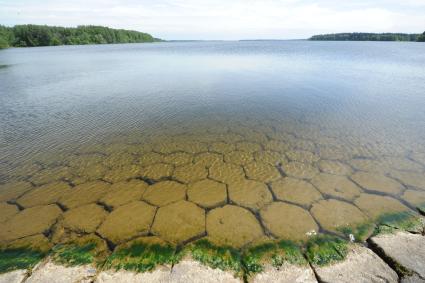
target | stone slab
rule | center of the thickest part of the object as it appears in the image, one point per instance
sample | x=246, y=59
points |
x=16, y=276
x=53, y=273
x=159, y=275
x=288, y=273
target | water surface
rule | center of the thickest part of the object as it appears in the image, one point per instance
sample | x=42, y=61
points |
x=188, y=140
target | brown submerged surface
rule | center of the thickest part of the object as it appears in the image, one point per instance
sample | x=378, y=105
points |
x=234, y=183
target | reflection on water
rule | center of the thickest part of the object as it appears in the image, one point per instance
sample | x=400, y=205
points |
x=235, y=142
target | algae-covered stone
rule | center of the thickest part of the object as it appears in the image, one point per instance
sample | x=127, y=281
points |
x=288, y=221
x=232, y=225
x=406, y=251
x=179, y=222
x=144, y=254
x=300, y=170
x=190, y=173
x=374, y=205
x=302, y=156
x=360, y=265
x=46, y=194
x=207, y=159
x=7, y=211
x=31, y=221
x=412, y=179
x=84, y=194
x=12, y=191
x=334, y=167
x=325, y=249
x=377, y=183
x=84, y=219
x=207, y=193
x=239, y=157
x=226, y=172
x=334, y=215
x=166, y=192
x=295, y=191
x=262, y=172
x=127, y=221
x=250, y=194
x=37, y=243
x=122, y=173
x=157, y=171
x=336, y=186
x=124, y=192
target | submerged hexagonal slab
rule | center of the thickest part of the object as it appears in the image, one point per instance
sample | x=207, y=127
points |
x=334, y=215
x=7, y=211
x=179, y=222
x=377, y=183
x=226, y=172
x=300, y=170
x=12, y=191
x=414, y=197
x=157, y=171
x=207, y=193
x=250, y=194
x=288, y=221
x=334, y=167
x=374, y=206
x=85, y=193
x=84, y=219
x=166, y=192
x=232, y=225
x=31, y=221
x=178, y=158
x=412, y=179
x=190, y=173
x=124, y=192
x=262, y=172
x=128, y=221
x=122, y=173
x=271, y=157
x=296, y=191
x=239, y=157
x=207, y=159
x=302, y=156
x=46, y=194
x=336, y=186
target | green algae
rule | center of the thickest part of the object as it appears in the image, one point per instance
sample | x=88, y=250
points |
x=73, y=255
x=21, y=258
x=276, y=254
x=406, y=221
x=221, y=257
x=360, y=232
x=325, y=249
x=142, y=257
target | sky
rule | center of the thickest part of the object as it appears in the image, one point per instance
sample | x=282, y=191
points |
x=223, y=19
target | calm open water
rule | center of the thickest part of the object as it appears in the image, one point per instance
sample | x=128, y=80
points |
x=283, y=114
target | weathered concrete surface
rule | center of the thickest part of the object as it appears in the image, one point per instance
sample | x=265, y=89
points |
x=407, y=250
x=192, y=271
x=159, y=275
x=16, y=276
x=53, y=273
x=287, y=273
x=412, y=279
x=361, y=265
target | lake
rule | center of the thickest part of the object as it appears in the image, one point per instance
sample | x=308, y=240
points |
x=236, y=142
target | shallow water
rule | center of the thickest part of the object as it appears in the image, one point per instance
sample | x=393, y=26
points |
x=234, y=141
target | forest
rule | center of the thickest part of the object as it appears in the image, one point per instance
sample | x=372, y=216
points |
x=370, y=37
x=41, y=35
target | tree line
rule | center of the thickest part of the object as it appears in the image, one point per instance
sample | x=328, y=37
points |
x=41, y=35
x=370, y=37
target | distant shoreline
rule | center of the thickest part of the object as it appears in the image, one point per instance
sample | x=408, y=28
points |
x=358, y=36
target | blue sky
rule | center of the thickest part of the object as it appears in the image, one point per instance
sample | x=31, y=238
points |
x=224, y=19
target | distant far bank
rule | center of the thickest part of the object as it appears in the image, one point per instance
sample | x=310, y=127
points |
x=359, y=36
x=41, y=35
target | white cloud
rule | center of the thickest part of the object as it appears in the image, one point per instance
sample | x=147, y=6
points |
x=221, y=19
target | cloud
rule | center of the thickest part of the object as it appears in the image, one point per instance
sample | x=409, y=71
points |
x=223, y=19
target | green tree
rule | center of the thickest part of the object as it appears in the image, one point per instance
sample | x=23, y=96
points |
x=421, y=38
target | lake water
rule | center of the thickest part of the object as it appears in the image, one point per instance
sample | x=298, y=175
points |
x=233, y=141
